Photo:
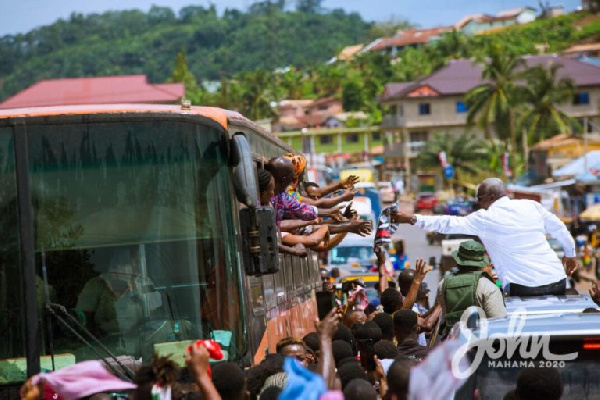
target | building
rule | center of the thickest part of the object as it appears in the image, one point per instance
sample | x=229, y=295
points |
x=99, y=90
x=336, y=142
x=295, y=115
x=583, y=50
x=436, y=103
x=479, y=23
x=349, y=52
x=547, y=156
x=408, y=38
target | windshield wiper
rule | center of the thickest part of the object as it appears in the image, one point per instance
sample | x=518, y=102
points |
x=52, y=307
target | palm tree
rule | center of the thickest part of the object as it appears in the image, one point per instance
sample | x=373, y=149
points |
x=258, y=93
x=495, y=150
x=543, y=93
x=453, y=45
x=494, y=101
x=289, y=84
x=463, y=152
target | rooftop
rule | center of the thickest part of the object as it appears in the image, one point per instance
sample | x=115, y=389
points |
x=459, y=76
x=410, y=37
x=97, y=90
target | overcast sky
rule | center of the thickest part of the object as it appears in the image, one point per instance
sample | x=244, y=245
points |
x=17, y=16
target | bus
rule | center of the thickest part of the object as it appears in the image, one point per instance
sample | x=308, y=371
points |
x=129, y=230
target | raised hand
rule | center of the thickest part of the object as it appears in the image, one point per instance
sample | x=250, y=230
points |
x=347, y=195
x=572, y=265
x=299, y=250
x=349, y=182
x=360, y=227
x=595, y=293
x=197, y=361
x=348, y=212
x=336, y=214
x=421, y=269
x=380, y=253
x=327, y=327
x=399, y=217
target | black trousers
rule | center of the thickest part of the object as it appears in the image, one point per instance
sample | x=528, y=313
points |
x=557, y=289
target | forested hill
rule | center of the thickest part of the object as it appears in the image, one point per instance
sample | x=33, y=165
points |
x=133, y=42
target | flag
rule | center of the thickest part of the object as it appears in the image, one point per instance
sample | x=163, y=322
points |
x=443, y=160
x=506, y=164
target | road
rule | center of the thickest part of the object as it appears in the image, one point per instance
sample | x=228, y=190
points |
x=416, y=247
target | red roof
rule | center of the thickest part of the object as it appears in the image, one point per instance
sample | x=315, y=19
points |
x=99, y=90
x=411, y=36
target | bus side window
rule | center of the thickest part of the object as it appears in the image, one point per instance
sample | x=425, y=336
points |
x=256, y=296
x=269, y=290
x=289, y=280
x=280, y=280
x=299, y=266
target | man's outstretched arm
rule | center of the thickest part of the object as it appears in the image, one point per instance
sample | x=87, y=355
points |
x=469, y=225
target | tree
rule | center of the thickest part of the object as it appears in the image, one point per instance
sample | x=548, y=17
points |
x=308, y=6
x=353, y=93
x=453, y=45
x=289, y=83
x=463, y=152
x=494, y=101
x=542, y=94
x=258, y=93
x=181, y=72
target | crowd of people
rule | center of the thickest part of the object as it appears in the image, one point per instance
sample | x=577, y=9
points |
x=305, y=218
x=365, y=348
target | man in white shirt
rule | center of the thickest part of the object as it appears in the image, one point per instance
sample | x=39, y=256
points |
x=514, y=234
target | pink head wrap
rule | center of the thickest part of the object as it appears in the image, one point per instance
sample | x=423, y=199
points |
x=82, y=380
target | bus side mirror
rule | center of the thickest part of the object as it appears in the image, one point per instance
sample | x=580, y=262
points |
x=259, y=241
x=244, y=177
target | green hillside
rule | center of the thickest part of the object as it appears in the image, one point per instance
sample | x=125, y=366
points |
x=216, y=46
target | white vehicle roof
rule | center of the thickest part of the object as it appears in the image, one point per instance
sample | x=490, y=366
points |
x=353, y=239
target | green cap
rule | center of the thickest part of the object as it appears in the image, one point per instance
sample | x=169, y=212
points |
x=471, y=254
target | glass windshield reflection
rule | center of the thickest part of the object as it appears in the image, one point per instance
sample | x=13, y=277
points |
x=133, y=223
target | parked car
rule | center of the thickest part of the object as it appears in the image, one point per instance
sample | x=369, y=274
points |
x=458, y=206
x=386, y=191
x=508, y=346
x=426, y=201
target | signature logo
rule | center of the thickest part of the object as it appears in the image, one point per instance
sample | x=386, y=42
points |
x=507, y=344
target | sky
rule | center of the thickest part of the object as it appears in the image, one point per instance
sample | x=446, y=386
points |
x=19, y=16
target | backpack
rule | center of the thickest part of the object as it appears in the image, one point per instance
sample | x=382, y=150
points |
x=459, y=291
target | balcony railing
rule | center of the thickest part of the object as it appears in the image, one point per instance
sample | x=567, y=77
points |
x=392, y=121
x=398, y=149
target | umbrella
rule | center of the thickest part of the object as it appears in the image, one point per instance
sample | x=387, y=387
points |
x=592, y=213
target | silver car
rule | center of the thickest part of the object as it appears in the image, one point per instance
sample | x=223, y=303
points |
x=568, y=342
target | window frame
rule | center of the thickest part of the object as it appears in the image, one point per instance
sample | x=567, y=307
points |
x=422, y=107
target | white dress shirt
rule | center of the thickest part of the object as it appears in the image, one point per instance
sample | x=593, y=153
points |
x=514, y=235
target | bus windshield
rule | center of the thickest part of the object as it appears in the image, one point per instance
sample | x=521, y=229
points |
x=133, y=226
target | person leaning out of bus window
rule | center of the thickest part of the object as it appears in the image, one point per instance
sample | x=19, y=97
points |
x=286, y=206
x=299, y=165
x=317, y=238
